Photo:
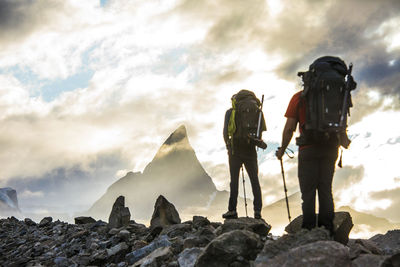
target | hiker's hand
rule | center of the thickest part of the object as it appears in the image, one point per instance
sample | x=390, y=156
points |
x=279, y=153
x=228, y=148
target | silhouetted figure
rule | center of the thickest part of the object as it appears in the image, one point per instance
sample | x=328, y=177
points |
x=242, y=122
x=319, y=111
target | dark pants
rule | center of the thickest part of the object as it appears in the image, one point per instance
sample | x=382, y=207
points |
x=251, y=165
x=315, y=170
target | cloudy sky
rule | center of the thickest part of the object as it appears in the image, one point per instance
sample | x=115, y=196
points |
x=90, y=90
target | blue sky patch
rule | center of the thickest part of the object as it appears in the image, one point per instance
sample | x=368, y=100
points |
x=50, y=89
x=103, y=2
x=53, y=89
x=171, y=62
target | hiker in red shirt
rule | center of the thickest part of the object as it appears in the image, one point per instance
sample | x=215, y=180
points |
x=316, y=166
x=321, y=111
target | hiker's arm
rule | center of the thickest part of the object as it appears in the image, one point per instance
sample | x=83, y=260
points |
x=290, y=127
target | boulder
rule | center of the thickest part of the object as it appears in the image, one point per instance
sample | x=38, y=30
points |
x=393, y=260
x=164, y=214
x=199, y=221
x=45, y=221
x=29, y=222
x=84, y=220
x=234, y=248
x=363, y=246
x=188, y=257
x=176, y=230
x=258, y=226
x=155, y=258
x=320, y=253
x=342, y=225
x=273, y=248
x=369, y=260
x=120, y=248
x=120, y=215
x=140, y=253
x=389, y=243
x=200, y=238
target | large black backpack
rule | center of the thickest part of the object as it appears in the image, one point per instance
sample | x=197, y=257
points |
x=244, y=117
x=324, y=93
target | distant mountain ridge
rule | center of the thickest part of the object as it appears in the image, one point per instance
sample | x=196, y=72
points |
x=8, y=202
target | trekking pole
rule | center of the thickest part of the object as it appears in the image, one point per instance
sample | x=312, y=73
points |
x=244, y=192
x=284, y=184
x=284, y=187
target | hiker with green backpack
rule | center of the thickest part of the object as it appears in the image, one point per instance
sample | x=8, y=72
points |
x=243, y=127
x=321, y=110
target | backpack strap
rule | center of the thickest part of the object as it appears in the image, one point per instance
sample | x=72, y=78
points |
x=231, y=123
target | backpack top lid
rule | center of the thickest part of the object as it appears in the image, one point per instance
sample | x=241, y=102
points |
x=329, y=62
x=244, y=95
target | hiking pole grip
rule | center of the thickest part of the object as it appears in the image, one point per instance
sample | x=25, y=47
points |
x=285, y=189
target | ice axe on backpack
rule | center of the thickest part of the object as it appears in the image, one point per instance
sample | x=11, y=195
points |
x=257, y=139
x=284, y=182
x=350, y=85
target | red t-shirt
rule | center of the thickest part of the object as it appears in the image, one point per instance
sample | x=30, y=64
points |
x=297, y=109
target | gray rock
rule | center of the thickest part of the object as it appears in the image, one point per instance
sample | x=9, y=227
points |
x=258, y=226
x=188, y=257
x=321, y=253
x=29, y=222
x=120, y=215
x=272, y=248
x=363, y=246
x=389, y=243
x=45, y=221
x=113, y=231
x=63, y=262
x=124, y=234
x=176, y=230
x=199, y=221
x=84, y=220
x=393, y=260
x=121, y=247
x=140, y=253
x=342, y=225
x=230, y=249
x=155, y=258
x=369, y=260
x=164, y=214
x=200, y=238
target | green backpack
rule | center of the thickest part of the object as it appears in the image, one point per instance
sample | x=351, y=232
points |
x=243, y=122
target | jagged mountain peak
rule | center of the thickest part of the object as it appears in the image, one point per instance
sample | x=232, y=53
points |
x=175, y=172
x=177, y=142
x=177, y=136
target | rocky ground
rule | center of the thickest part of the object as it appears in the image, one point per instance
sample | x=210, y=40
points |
x=170, y=242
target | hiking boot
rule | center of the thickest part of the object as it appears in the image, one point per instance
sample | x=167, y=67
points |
x=257, y=214
x=231, y=214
